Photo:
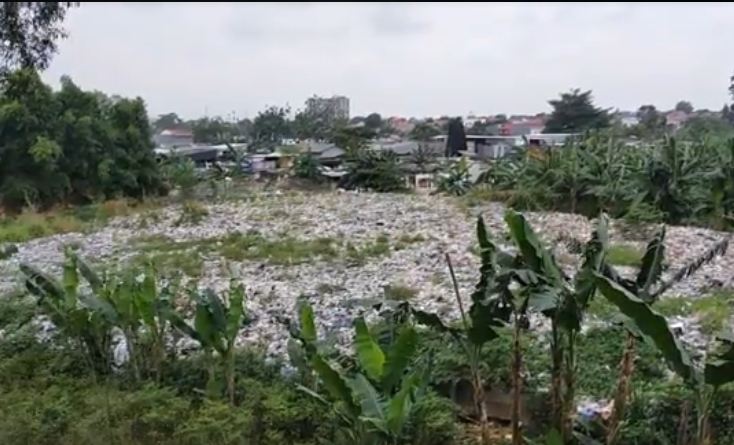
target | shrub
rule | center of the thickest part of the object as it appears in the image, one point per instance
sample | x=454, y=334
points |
x=374, y=170
x=192, y=213
x=307, y=167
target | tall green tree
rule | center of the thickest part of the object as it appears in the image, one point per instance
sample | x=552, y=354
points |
x=168, y=120
x=651, y=123
x=684, y=106
x=456, y=140
x=271, y=126
x=28, y=33
x=575, y=112
x=424, y=131
x=373, y=121
x=71, y=145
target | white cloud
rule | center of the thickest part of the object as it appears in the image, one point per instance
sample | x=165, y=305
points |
x=399, y=59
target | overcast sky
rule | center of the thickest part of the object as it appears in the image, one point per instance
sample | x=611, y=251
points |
x=399, y=59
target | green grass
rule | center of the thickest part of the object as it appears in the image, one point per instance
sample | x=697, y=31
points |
x=30, y=224
x=713, y=311
x=624, y=255
x=405, y=240
x=192, y=213
x=377, y=248
x=284, y=250
x=189, y=262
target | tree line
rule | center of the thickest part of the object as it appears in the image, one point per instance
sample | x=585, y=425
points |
x=71, y=145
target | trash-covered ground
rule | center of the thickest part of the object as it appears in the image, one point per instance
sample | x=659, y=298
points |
x=415, y=231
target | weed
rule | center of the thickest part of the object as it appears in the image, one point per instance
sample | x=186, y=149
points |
x=29, y=225
x=192, y=213
x=712, y=311
x=282, y=251
x=624, y=255
x=406, y=240
x=327, y=288
x=189, y=262
x=400, y=292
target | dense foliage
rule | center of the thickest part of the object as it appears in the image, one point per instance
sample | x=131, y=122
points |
x=675, y=181
x=29, y=31
x=575, y=112
x=108, y=365
x=71, y=145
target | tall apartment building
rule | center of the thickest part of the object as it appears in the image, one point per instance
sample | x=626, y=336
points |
x=336, y=107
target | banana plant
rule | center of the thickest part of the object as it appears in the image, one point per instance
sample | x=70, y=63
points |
x=490, y=310
x=79, y=315
x=374, y=402
x=647, y=287
x=215, y=328
x=563, y=301
x=141, y=310
x=718, y=371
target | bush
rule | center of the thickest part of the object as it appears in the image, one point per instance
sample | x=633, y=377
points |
x=655, y=412
x=181, y=173
x=307, y=167
x=374, y=170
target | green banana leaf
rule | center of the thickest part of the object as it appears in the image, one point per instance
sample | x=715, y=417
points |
x=307, y=322
x=399, y=407
x=370, y=402
x=538, y=259
x=334, y=383
x=594, y=253
x=650, y=323
x=719, y=368
x=369, y=354
x=236, y=311
x=651, y=267
x=399, y=358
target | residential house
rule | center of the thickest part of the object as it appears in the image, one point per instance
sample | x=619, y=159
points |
x=675, y=119
x=522, y=126
x=174, y=137
x=487, y=147
x=401, y=125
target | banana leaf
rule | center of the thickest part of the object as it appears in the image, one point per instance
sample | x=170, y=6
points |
x=399, y=357
x=369, y=354
x=371, y=404
x=236, y=311
x=719, y=369
x=594, y=253
x=537, y=258
x=307, y=323
x=399, y=407
x=650, y=323
x=334, y=383
x=651, y=267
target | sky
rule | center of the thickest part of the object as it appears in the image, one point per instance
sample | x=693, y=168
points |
x=399, y=59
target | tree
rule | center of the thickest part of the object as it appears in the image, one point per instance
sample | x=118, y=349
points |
x=352, y=139
x=214, y=130
x=575, y=112
x=165, y=121
x=684, y=106
x=271, y=126
x=651, y=123
x=424, y=131
x=373, y=121
x=71, y=145
x=312, y=124
x=28, y=33
x=456, y=140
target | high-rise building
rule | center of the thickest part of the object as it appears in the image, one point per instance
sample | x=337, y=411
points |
x=336, y=107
